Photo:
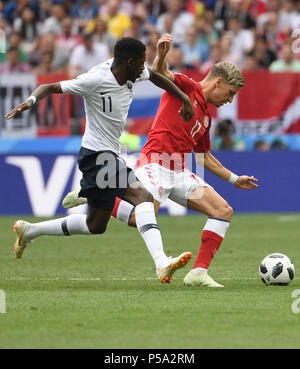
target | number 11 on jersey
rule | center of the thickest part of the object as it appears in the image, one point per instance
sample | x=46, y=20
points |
x=106, y=104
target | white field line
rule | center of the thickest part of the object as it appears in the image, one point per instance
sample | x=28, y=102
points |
x=117, y=279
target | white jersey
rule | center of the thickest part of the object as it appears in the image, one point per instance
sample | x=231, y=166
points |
x=106, y=105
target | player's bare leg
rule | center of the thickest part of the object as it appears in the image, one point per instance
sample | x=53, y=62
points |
x=206, y=200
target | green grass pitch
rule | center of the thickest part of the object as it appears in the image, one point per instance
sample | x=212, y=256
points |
x=102, y=292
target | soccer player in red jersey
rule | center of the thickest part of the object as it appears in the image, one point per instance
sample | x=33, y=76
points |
x=161, y=164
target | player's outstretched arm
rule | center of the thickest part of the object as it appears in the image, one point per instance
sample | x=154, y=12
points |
x=187, y=110
x=38, y=94
x=214, y=166
x=160, y=65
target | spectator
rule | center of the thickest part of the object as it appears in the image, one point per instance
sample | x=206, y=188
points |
x=13, y=63
x=237, y=9
x=69, y=38
x=145, y=27
x=46, y=65
x=47, y=44
x=14, y=40
x=117, y=21
x=83, y=11
x=227, y=52
x=141, y=11
x=150, y=55
x=86, y=56
x=278, y=144
x=287, y=62
x=153, y=37
x=215, y=57
x=262, y=19
x=271, y=31
x=194, y=52
x=53, y=24
x=224, y=137
x=102, y=35
x=256, y=8
x=13, y=9
x=206, y=35
x=242, y=39
x=262, y=53
x=175, y=59
x=261, y=145
x=225, y=9
x=136, y=27
x=224, y=130
x=296, y=21
x=5, y=28
x=250, y=63
x=155, y=8
x=4, y=25
x=287, y=15
x=221, y=11
x=175, y=21
x=28, y=27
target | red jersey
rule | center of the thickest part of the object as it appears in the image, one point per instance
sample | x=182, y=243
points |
x=170, y=135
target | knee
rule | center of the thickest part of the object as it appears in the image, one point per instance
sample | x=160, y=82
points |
x=143, y=196
x=225, y=212
x=95, y=228
x=146, y=197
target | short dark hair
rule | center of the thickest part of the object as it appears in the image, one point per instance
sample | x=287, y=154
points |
x=128, y=47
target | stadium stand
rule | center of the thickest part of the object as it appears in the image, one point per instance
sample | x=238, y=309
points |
x=53, y=37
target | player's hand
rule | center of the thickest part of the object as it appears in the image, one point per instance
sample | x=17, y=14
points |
x=246, y=183
x=163, y=45
x=187, y=110
x=19, y=108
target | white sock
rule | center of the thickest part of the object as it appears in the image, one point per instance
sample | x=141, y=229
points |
x=148, y=228
x=217, y=226
x=72, y=224
x=197, y=270
x=122, y=210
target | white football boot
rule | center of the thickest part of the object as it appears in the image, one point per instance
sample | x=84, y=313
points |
x=165, y=274
x=200, y=279
x=21, y=228
x=72, y=200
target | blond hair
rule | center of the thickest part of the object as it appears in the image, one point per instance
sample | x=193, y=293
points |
x=229, y=72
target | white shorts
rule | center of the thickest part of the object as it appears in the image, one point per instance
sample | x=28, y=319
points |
x=163, y=183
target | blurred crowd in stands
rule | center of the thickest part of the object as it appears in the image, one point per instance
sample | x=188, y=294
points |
x=71, y=36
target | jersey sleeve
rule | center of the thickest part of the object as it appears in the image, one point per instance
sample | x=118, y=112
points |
x=83, y=85
x=204, y=143
x=184, y=82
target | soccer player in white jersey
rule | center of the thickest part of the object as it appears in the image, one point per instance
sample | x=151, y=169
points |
x=107, y=90
x=161, y=166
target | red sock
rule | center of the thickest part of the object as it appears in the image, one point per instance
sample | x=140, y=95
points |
x=210, y=243
x=116, y=206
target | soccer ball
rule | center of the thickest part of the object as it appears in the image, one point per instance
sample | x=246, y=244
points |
x=276, y=269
